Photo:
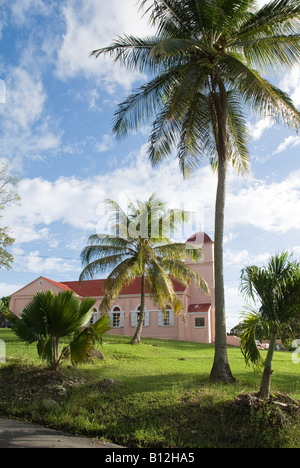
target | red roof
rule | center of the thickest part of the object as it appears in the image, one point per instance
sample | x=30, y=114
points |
x=200, y=237
x=94, y=288
x=59, y=285
x=199, y=307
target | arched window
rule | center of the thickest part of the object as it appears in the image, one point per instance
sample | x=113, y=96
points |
x=135, y=315
x=117, y=317
x=166, y=318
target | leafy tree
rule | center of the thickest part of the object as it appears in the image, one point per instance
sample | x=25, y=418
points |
x=4, y=307
x=47, y=319
x=204, y=62
x=275, y=290
x=142, y=248
x=8, y=195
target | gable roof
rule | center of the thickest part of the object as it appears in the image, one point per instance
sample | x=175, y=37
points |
x=55, y=283
x=59, y=285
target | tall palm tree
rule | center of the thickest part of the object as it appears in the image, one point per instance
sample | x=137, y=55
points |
x=47, y=319
x=204, y=62
x=275, y=289
x=141, y=247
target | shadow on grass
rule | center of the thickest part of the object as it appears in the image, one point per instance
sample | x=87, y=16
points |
x=166, y=410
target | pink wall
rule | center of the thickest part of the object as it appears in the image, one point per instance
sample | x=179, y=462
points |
x=20, y=298
x=180, y=330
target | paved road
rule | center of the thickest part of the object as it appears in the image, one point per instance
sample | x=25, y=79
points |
x=18, y=434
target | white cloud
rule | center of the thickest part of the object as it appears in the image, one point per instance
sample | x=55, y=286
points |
x=257, y=129
x=296, y=251
x=78, y=203
x=241, y=258
x=35, y=263
x=22, y=10
x=291, y=84
x=6, y=289
x=105, y=144
x=26, y=130
x=291, y=141
x=234, y=306
x=271, y=207
x=90, y=25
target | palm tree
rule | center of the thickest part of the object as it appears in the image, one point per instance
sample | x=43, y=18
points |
x=204, y=60
x=275, y=289
x=47, y=318
x=141, y=247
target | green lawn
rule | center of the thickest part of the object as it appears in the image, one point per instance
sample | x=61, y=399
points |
x=159, y=395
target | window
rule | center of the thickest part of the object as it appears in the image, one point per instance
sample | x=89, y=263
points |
x=117, y=318
x=199, y=322
x=138, y=318
x=135, y=315
x=166, y=319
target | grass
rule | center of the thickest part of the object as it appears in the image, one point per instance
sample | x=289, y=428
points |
x=156, y=394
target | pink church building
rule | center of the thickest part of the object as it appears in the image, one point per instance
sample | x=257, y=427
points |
x=198, y=325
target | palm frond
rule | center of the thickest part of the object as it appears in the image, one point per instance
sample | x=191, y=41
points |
x=143, y=104
x=238, y=134
x=133, y=53
x=162, y=289
x=65, y=314
x=84, y=342
x=122, y=275
x=274, y=52
x=275, y=18
x=179, y=271
x=168, y=15
x=247, y=334
x=258, y=93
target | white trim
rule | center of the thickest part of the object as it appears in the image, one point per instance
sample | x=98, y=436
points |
x=134, y=319
x=200, y=326
x=122, y=316
x=161, y=318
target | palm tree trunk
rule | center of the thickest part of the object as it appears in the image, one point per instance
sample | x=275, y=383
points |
x=265, y=386
x=220, y=370
x=137, y=336
x=55, y=352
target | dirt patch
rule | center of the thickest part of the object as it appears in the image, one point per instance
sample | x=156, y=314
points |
x=282, y=407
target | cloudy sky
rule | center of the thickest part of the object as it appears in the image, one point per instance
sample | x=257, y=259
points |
x=55, y=132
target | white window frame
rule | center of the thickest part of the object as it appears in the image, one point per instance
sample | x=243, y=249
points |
x=134, y=317
x=166, y=320
x=116, y=310
x=200, y=326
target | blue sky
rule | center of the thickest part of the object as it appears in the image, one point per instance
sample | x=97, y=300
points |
x=55, y=132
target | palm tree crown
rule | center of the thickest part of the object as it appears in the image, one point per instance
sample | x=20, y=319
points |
x=48, y=318
x=204, y=59
x=205, y=64
x=142, y=248
x=275, y=291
